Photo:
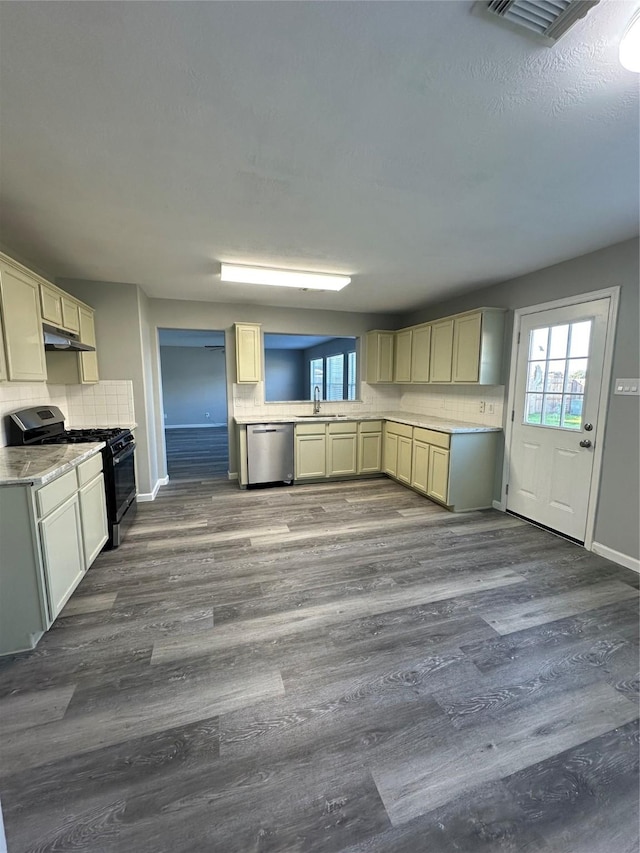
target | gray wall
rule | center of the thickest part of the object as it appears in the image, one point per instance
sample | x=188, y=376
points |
x=125, y=352
x=284, y=375
x=618, y=504
x=193, y=383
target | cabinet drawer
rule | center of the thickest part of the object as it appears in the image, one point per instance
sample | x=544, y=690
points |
x=370, y=426
x=53, y=494
x=89, y=469
x=400, y=429
x=430, y=436
x=343, y=427
x=310, y=429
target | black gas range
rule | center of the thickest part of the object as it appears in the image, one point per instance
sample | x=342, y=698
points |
x=45, y=425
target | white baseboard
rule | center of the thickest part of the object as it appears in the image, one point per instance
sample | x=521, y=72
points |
x=232, y=475
x=194, y=426
x=499, y=506
x=616, y=556
x=144, y=497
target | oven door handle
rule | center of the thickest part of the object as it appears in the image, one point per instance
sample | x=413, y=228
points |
x=118, y=459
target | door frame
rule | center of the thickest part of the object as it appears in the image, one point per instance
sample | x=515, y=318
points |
x=613, y=294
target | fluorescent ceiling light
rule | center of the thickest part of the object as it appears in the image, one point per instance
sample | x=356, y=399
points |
x=630, y=45
x=283, y=278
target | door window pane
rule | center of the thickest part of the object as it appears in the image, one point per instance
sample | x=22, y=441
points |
x=538, y=344
x=533, y=409
x=580, y=336
x=559, y=340
x=557, y=375
x=551, y=409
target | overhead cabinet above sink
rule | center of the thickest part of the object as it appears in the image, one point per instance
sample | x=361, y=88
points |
x=464, y=349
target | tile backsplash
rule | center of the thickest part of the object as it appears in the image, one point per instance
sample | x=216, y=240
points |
x=107, y=403
x=459, y=403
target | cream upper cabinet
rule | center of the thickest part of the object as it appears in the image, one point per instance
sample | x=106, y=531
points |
x=379, y=357
x=88, y=360
x=22, y=326
x=441, y=350
x=248, y=352
x=402, y=356
x=70, y=314
x=421, y=353
x=466, y=348
x=51, y=305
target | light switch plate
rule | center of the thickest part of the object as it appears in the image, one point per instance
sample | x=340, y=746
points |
x=627, y=387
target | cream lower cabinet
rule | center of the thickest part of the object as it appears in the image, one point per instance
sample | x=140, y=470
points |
x=369, y=447
x=50, y=536
x=398, y=451
x=310, y=451
x=22, y=326
x=62, y=553
x=438, y=479
x=342, y=449
x=3, y=363
x=93, y=508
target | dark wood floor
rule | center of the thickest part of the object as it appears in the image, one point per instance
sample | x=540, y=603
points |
x=198, y=453
x=342, y=667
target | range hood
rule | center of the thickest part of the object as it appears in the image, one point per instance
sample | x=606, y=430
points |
x=58, y=339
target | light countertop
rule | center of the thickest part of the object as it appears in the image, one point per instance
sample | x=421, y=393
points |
x=448, y=425
x=23, y=466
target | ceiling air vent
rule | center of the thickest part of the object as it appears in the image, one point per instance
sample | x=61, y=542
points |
x=546, y=19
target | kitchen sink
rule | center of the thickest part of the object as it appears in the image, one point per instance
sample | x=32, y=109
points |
x=320, y=416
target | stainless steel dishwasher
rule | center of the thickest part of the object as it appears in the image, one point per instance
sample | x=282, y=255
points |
x=270, y=453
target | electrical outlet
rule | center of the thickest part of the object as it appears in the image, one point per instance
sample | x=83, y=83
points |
x=483, y=406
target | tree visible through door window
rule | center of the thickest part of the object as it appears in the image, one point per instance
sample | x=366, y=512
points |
x=556, y=375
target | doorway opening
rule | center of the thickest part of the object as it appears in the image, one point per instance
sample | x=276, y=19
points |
x=194, y=390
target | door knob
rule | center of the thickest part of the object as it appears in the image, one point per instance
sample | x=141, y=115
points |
x=588, y=427
x=585, y=443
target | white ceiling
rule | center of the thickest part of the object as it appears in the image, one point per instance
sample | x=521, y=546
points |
x=415, y=146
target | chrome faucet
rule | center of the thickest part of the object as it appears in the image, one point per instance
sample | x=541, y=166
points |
x=316, y=400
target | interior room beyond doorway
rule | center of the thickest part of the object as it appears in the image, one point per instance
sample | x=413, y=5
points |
x=195, y=403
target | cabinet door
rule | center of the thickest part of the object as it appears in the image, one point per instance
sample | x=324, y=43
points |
x=390, y=453
x=70, y=314
x=421, y=354
x=402, y=361
x=379, y=356
x=51, y=304
x=404, y=459
x=441, y=351
x=438, y=475
x=61, y=537
x=93, y=512
x=420, y=466
x=248, y=353
x=466, y=348
x=369, y=452
x=342, y=454
x=88, y=360
x=22, y=325
x=311, y=456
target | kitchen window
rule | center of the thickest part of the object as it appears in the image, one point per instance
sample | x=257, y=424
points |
x=335, y=375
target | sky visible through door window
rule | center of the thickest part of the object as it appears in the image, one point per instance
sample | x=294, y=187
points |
x=557, y=368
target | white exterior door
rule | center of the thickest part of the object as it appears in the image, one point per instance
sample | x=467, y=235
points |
x=558, y=384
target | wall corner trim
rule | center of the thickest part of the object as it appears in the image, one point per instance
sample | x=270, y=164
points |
x=145, y=497
x=616, y=556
